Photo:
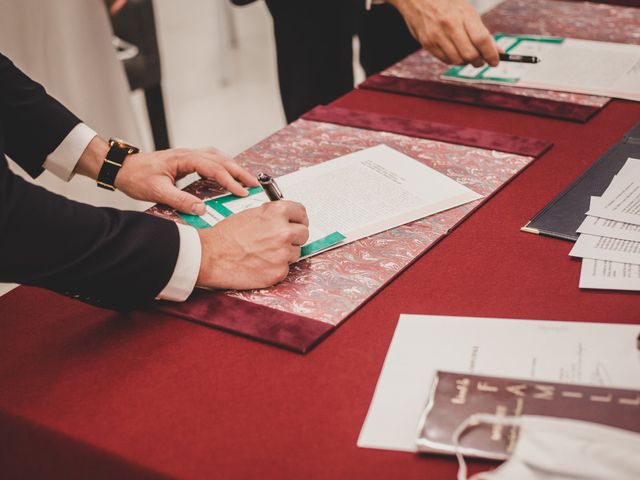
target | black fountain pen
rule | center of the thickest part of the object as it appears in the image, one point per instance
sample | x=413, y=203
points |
x=270, y=187
x=507, y=57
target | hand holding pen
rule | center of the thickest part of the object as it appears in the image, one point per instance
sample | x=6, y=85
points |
x=253, y=248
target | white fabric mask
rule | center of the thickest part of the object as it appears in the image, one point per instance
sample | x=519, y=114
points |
x=550, y=448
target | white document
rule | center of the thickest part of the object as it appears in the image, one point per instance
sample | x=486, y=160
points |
x=604, y=227
x=364, y=193
x=603, y=274
x=621, y=200
x=585, y=66
x=606, y=248
x=580, y=66
x=571, y=352
x=630, y=169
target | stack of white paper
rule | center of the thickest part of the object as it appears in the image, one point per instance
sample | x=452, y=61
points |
x=609, y=241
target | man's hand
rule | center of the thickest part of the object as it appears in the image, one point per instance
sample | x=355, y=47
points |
x=450, y=29
x=152, y=176
x=253, y=248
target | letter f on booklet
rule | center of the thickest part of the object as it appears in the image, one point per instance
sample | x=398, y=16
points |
x=352, y=197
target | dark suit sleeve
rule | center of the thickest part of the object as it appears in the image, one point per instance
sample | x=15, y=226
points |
x=34, y=123
x=102, y=256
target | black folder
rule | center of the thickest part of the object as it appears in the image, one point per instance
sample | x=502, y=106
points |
x=562, y=216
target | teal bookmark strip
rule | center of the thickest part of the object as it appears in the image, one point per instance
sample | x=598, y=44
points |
x=453, y=71
x=231, y=198
x=500, y=79
x=221, y=209
x=218, y=203
x=520, y=38
x=321, y=244
x=194, y=220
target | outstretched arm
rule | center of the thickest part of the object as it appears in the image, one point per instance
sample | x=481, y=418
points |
x=122, y=259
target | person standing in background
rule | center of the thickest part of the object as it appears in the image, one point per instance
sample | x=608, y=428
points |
x=314, y=41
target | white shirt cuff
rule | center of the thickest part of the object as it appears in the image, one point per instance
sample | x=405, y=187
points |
x=373, y=2
x=185, y=273
x=63, y=160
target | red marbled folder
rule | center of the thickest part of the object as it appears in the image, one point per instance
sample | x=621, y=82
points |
x=626, y=3
x=322, y=291
x=420, y=73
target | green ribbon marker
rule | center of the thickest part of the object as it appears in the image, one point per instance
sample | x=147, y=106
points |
x=194, y=220
x=321, y=243
x=218, y=205
x=220, y=208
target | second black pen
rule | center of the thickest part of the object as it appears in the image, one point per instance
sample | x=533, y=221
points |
x=507, y=57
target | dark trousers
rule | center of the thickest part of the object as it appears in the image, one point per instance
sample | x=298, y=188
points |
x=314, y=49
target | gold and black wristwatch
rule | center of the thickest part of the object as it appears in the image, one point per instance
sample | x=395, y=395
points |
x=118, y=151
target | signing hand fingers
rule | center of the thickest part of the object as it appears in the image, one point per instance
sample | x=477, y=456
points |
x=206, y=166
x=180, y=200
x=449, y=50
x=465, y=47
x=294, y=212
x=291, y=212
x=482, y=40
x=299, y=234
x=241, y=173
x=438, y=53
x=294, y=254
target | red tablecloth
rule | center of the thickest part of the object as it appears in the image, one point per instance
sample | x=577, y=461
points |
x=88, y=393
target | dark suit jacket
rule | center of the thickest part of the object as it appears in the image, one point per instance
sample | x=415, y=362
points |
x=103, y=256
x=314, y=47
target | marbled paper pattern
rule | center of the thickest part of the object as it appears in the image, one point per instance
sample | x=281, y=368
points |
x=331, y=285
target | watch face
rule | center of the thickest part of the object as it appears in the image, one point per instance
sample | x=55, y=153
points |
x=119, y=142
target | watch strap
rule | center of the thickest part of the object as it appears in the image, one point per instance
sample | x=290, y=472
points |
x=112, y=163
